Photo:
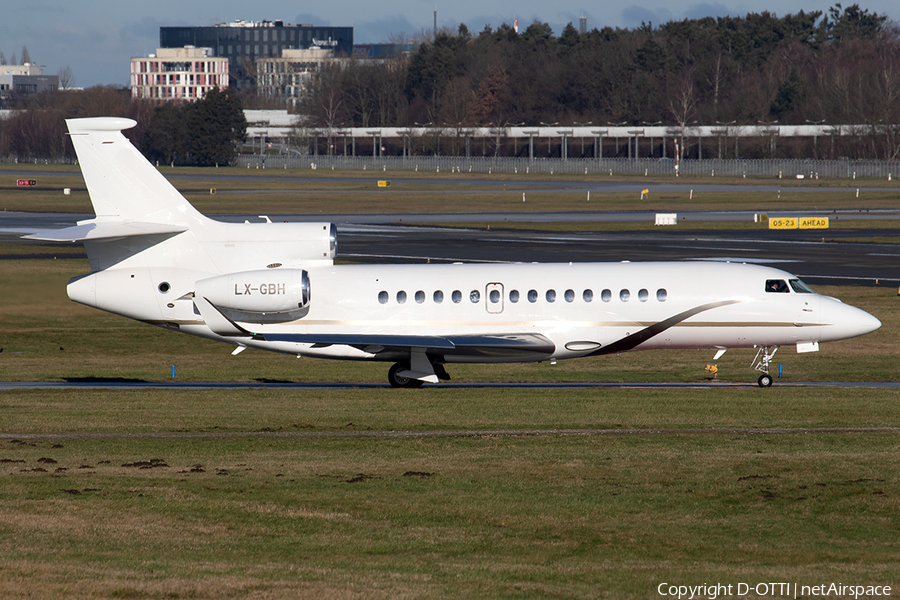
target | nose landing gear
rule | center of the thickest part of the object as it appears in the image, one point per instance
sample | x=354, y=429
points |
x=761, y=363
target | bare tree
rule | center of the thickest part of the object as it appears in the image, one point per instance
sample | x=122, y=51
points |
x=66, y=77
x=330, y=105
x=359, y=93
x=26, y=58
x=248, y=66
x=299, y=136
x=2, y=59
x=683, y=102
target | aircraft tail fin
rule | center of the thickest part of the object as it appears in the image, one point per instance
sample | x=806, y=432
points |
x=122, y=184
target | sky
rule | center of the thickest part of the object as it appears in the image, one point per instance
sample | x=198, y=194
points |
x=98, y=38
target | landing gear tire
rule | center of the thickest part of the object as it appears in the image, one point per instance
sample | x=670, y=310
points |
x=402, y=382
x=765, y=380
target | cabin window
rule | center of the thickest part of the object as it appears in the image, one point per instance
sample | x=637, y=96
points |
x=661, y=295
x=401, y=297
x=800, y=288
x=776, y=286
x=606, y=295
x=456, y=296
x=514, y=296
x=494, y=296
x=550, y=295
x=643, y=295
x=383, y=297
x=164, y=287
x=587, y=295
x=569, y=295
x=532, y=296
x=438, y=297
x=474, y=296
x=624, y=295
x=420, y=297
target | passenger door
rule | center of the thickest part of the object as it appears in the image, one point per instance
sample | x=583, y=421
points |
x=493, y=296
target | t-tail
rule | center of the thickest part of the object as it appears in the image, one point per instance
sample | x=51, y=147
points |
x=148, y=246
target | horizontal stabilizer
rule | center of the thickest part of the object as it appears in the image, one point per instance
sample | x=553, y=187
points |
x=93, y=231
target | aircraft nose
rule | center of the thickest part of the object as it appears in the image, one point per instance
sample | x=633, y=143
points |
x=843, y=321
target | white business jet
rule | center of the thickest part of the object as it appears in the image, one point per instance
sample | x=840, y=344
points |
x=274, y=286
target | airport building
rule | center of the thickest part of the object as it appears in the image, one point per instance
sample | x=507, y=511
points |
x=20, y=82
x=243, y=43
x=287, y=77
x=178, y=74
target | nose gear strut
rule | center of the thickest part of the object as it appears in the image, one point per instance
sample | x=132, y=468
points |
x=761, y=363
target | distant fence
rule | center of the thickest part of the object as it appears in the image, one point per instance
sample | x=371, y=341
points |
x=786, y=168
x=33, y=160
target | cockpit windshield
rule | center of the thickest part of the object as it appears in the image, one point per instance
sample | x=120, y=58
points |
x=777, y=286
x=800, y=288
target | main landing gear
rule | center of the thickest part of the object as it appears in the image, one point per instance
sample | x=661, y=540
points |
x=417, y=371
x=398, y=381
x=761, y=363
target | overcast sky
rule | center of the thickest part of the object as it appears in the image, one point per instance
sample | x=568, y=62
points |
x=97, y=38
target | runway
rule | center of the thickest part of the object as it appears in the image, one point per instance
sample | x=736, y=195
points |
x=818, y=256
x=285, y=385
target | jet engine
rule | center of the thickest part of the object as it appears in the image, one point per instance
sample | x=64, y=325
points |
x=267, y=296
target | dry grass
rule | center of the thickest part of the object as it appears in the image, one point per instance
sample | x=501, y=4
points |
x=573, y=517
x=274, y=192
x=263, y=516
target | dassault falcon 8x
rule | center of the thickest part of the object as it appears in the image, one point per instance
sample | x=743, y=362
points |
x=274, y=286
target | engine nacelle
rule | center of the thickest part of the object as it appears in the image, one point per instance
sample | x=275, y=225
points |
x=267, y=296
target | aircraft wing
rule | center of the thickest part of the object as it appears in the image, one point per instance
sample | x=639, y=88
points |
x=482, y=345
x=485, y=345
x=98, y=231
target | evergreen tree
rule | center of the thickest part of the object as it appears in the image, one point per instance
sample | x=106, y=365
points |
x=165, y=139
x=216, y=127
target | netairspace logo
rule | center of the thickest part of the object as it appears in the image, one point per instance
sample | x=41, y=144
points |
x=777, y=590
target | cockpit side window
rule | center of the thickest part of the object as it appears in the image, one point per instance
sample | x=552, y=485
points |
x=799, y=287
x=777, y=286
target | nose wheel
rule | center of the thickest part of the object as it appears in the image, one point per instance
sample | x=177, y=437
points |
x=761, y=363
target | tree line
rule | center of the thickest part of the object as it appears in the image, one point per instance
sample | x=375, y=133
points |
x=206, y=132
x=839, y=67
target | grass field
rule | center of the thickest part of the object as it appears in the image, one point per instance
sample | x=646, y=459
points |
x=267, y=493
x=358, y=192
x=431, y=493
x=268, y=514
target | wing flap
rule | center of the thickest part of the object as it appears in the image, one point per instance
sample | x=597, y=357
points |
x=486, y=345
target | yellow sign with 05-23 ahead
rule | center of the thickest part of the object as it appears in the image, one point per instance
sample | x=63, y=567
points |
x=784, y=223
x=799, y=223
x=814, y=223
